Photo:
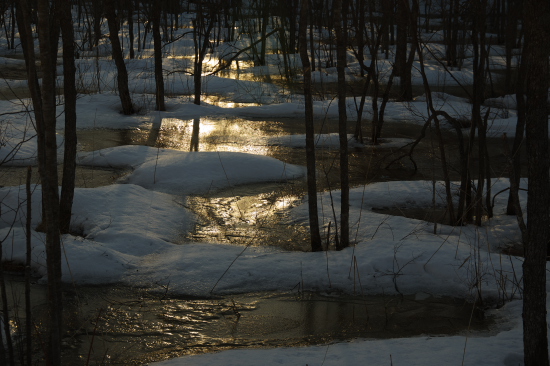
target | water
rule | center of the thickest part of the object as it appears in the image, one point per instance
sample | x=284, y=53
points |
x=241, y=215
x=132, y=327
x=250, y=215
x=127, y=326
x=115, y=325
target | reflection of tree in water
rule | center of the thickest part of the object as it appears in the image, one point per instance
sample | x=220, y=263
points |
x=194, y=146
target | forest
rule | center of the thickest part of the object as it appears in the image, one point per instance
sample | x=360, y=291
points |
x=444, y=103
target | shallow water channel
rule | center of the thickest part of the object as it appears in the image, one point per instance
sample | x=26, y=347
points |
x=128, y=326
x=257, y=213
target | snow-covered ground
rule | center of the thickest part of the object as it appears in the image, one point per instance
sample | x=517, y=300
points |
x=127, y=231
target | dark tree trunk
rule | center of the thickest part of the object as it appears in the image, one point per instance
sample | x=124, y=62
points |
x=49, y=178
x=402, y=19
x=197, y=65
x=130, y=4
x=342, y=126
x=451, y=33
x=537, y=78
x=406, y=22
x=28, y=262
x=312, y=40
x=514, y=9
x=69, y=87
x=478, y=42
x=316, y=244
x=263, y=32
x=513, y=207
x=387, y=15
x=195, y=134
x=97, y=10
x=122, y=73
x=201, y=39
x=157, y=41
x=12, y=35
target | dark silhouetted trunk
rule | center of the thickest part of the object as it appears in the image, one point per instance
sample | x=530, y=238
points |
x=201, y=39
x=316, y=244
x=537, y=77
x=130, y=5
x=122, y=73
x=343, y=241
x=195, y=134
x=48, y=33
x=406, y=22
x=69, y=87
x=157, y=44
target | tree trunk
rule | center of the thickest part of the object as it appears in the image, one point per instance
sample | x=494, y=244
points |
x=201, y=39
x=28, y=261
x=537, y=78
x=405, y=92
x=342, y=126
x=315, y=236
x=69, y=87
x=406, y=21
x=157, y=41
x=122, y=73
x=130, y=4
x=195, y=135
x=49, y=178
x=402, y=20
x=478, y=43
x=96, y=8
x=514, y=9
x=513, y=207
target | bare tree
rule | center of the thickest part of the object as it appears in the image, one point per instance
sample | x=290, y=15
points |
x=122, y=73
x=339, y=27
x=44, y=105
x=70, y=94
x=407, y=19
x=155, y=12
x=310, y=134
x=202, y=27
x=537, y=78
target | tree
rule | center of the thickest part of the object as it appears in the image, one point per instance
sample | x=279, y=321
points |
x=536, y=52
x=122, y=73
x=155, y=10
x=130, y=8
x=310, y=134
x=343, y=240
x=372, y=38
x=478, y=122
x=202, y=27
x=406, y=23
x=44, y=105
x=69, y=90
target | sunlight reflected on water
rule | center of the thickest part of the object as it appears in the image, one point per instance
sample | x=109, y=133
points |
x=251, y=215
x=133, y=330
x=221, y=102
x=205, y=134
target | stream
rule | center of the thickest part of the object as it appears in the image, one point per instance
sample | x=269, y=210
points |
x=116, y=325
x=127, y=326
x=258, y=212
x=111, y=325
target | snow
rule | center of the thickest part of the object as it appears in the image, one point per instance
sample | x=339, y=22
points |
x=131, y=232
